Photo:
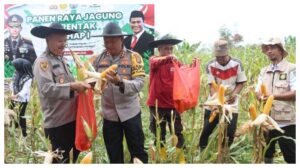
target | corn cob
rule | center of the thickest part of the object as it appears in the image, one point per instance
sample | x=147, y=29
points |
x=221, y=94
x=111, y=68
x=268, y=105
x=87, y=158
x=263, y=89
x=252, y=111
x=87, y=129
x=102, y=74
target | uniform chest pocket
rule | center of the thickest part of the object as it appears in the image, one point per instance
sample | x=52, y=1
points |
x=281, y=87
x=59, y=76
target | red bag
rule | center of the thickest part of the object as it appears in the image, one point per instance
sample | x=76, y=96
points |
x=85, y=113
x=186, y=86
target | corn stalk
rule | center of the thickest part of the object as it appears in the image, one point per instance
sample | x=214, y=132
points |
x=223, y=150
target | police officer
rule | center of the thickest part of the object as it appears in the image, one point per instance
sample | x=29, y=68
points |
x=120, y=102
x=16, y=46
x=280, y=81
x=57, y=90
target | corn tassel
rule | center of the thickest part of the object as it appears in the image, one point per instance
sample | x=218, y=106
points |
x=252, y=111
x=87, y=158
x=221, y=95
x=268, y=105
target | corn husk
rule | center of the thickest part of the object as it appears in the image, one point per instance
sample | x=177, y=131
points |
x=137, y=161
x=245, y=128
x=152, y=152
x=267, y=122
x=9, y=116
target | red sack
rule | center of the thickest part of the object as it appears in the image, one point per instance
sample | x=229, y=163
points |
x=85, y=115
x=186, y=86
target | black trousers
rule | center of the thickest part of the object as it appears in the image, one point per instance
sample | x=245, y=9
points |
x=165, y=116
x=209, y=127
x=113, y=133
x=287, y=146
x=63, y=138
x=21, y=114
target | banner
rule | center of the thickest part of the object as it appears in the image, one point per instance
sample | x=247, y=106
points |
x=88, y=20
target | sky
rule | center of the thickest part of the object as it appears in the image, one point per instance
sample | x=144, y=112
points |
x=201, y=20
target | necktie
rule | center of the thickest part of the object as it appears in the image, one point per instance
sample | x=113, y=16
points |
x=133, y=42
x=14, y=44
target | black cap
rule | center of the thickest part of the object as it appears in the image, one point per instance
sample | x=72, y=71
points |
x=14, y=20
x=166, y=39
x=44, y=31
x=111, y=30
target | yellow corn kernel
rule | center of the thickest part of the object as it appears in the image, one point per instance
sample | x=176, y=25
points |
x=252, y=111
x=87, y=158
x=268, y=105
x=215, y=86
x=263, y=89
x=221, y=94
x=111, y=68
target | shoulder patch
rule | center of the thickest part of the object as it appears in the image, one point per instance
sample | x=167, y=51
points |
x=44, y=65
x=137, y=57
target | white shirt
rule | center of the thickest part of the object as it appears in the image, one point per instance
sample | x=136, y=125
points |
x=24, y=94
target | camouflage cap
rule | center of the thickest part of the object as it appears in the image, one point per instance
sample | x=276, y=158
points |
x=273, y=41
x=14, y=20
x=221, y=48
